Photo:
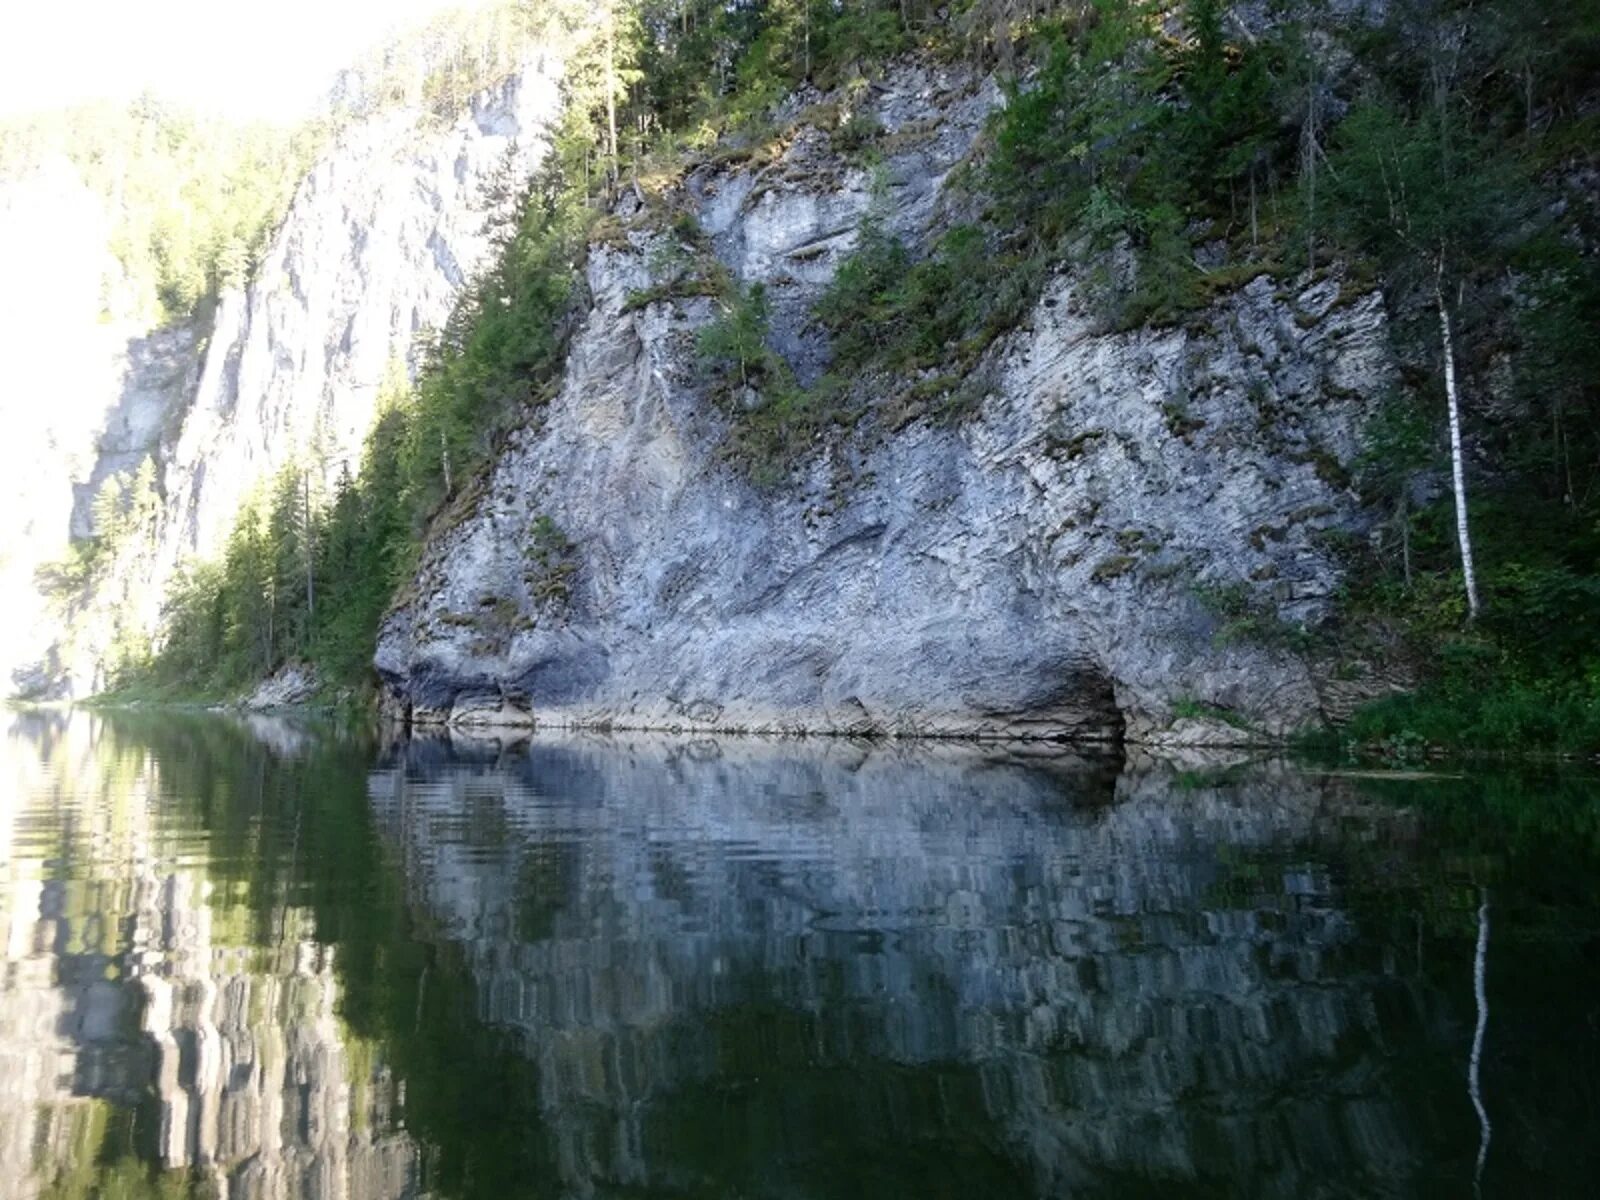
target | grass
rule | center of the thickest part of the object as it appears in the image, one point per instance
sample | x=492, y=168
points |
x=1512, y=718
x=1189, y=708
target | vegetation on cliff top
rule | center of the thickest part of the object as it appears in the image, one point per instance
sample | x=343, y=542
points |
x=1167, y=153
x=192, y=199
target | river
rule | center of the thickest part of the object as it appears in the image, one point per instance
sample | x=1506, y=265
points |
x=261, y=958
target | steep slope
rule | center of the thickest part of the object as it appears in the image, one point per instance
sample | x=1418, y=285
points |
x=73, y=389
x=382, y=236
x=1070, y=559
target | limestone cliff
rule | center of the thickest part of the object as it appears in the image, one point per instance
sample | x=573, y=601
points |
x=1123, y=535
x=1048, y=566
x=382, y=235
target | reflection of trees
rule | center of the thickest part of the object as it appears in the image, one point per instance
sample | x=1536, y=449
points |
x=1532, y=838
x=1480, y=997
x=598, y=967
x=296, y=825
x=168, y=1046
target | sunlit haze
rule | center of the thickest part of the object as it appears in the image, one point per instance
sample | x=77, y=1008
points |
x=245, y=60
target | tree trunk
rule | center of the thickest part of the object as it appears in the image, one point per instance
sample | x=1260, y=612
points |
x=807, y=75
x=1457, y=469
x=611, y=92
x=1308, y=150
x=1255, y=224
x=1403, y=520
x=311, y=551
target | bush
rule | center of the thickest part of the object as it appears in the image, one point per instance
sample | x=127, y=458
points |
x=1509, y=717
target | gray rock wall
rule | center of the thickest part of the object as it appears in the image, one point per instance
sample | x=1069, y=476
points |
x=1038, y=570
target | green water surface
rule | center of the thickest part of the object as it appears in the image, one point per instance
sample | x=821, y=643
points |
x=260, y=958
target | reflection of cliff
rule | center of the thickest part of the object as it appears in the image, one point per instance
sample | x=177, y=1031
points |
x=130, y=977
x=739, y=965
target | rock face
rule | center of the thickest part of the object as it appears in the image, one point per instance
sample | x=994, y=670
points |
x=291, y=684
x=380, y=240
x=84, y=391
x=382, y=237
x=1076, y=558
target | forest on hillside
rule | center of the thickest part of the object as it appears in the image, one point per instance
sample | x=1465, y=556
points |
x=1440, y=150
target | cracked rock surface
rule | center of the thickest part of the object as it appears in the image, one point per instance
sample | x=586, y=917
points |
x=1047, y=567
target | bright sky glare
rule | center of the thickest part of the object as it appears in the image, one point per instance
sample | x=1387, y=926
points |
x=268, y=59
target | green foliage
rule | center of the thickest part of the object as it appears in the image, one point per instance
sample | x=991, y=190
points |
x=1510, y=717
x=1161, y=153
x=192, y=199
x=1199, y=710
x=734, y=345
x=1440, y=176
x=775, y=420
x=1126, y=139
x=680, y=265
x=1398, y=441
x=706, y=66
x=1420, y=193
x=862, y=306
x=552, y=562
x=440, y=65
x=856, y=134
x=767, y=440
x=888, y=312
x=503, y=343
x=1242, y=615
x=123, y=518
x=106, y=1165
x=891, y=315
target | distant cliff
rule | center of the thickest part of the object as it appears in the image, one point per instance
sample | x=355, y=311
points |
x=380, y=239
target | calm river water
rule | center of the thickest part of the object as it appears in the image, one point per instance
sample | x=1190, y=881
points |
x=256, y=959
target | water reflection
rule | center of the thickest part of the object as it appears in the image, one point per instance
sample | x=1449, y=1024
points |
x=152, y=1041
x=265, y=961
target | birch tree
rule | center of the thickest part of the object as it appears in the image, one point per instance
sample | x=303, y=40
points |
x=1422, y=198
x=1458, y=481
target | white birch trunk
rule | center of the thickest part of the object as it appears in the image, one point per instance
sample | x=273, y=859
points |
x=1457, y=470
